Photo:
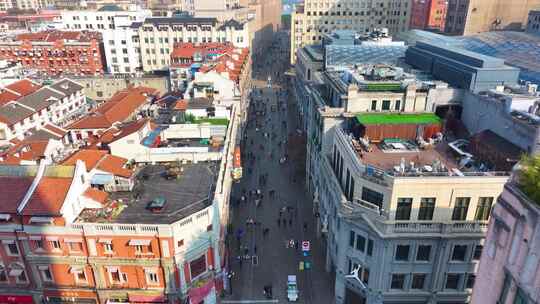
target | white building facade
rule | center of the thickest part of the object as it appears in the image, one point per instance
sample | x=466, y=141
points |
x=101, y=19
x=122, y=50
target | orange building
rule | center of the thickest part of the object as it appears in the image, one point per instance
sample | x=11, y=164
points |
x=428, y=14
x=65, y=242
x=56, y=53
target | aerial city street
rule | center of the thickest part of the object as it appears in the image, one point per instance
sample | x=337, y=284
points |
x=269, y=151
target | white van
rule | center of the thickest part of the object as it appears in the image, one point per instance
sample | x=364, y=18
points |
x=292, y=288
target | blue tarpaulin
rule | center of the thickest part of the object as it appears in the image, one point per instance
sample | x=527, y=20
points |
x=101, y=179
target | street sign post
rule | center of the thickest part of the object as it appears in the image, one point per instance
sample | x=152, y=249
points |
x=305, y=246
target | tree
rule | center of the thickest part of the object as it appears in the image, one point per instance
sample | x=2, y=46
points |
x=529, y=178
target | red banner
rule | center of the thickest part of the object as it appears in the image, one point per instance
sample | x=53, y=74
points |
x=13, y=299
x=197, y=295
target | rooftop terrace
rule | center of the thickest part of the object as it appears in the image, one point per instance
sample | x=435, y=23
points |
x=186, y=189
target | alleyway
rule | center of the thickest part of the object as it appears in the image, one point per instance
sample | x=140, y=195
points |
x=273, y=119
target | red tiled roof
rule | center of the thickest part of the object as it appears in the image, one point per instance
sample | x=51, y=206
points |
x=116, y=133
x=55, y=130
x=114, y=165
x=117, y=109
x=24, y=87
x=25, y=151
x=7, y=96
x=96, y=195
x=53, y=35
x=89, y=157
x=13, y=191
x=48, y=197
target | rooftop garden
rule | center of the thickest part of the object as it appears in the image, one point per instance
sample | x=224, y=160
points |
x=190, y=118
x=529, y=178
x=376, y=87
x=397, y=118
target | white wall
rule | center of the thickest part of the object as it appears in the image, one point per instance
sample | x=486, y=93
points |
x=124, y=42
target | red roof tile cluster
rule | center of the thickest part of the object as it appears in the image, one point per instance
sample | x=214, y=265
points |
x=13, y=190
x=48, y=197
x=225, y=58
x=117, y=132
x=96, y=195
x=117, y=109
x=100, y=160
x=181, y=105
x=17, y=90
x=54, y=35
x=25, y=151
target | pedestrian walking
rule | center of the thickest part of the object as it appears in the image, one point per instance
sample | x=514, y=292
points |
x=296, y=245
x=255, y=249
x=290, y=222
x=279, y=222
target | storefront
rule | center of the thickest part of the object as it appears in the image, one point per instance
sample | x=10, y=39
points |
x=69, y=297
x=16, y=299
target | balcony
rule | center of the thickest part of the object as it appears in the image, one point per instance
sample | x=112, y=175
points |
x=465, y=227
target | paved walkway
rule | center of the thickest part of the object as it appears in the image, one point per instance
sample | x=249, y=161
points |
x=274, y=261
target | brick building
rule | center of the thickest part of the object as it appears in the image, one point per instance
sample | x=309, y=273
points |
x=428, y=14
x=56, y=53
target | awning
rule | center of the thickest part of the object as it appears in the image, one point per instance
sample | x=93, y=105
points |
x=108, y=241
x=15, y=272
x=5, y=217
x=112, y=268
x=41, y=219
x=101, y=179
x=73, y=240
x=76, y=269
x=43, y=267
x=52, y=238
x=35, y=238
x=147, y=299
x=139, y=242
x=8, y=241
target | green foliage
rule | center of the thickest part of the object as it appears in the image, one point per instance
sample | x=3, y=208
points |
x=529, y=178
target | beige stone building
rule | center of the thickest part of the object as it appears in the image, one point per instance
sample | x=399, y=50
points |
x=316, y=17
x=157, y=37
x=104, y=87
x=467, y=17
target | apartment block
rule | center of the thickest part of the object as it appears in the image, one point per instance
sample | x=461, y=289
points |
x=122, y=50
x=467, y=17
x=107, y=18
x=27, y=107
x=315, y=17
x=428, y=14
x=56, y=53
x=158, y=36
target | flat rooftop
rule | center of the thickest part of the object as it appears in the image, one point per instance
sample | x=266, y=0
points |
x=192, y=191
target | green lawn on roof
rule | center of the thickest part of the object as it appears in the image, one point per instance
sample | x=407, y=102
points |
x=213, y=121
x=396, y=118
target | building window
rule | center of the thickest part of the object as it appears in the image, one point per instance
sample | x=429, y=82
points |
x=398, y=281
x=397, y=106
x=21, y=278
x=152, y=277
x=403, y=211
x=483, y=209
x=180, y=243
x=427, y=207
x=108, y=247
x=418, y=281
x=386, y=105
x=80, y=276
x=3, y=274
x=423, y=253
x=11, y=248
x=46, y=274
x=370, y=247
x=373, y=105
x=75, y=246
x=471, y=278
x=38, y=244
x=459, y=253
x=197, y=266
x=116, y=276
x=372, y=196
x=402, y=252
x=360, y=243
x=460, y=208
x=55, y=244
x=351, y=238
x=452, y=280
x=477, y=252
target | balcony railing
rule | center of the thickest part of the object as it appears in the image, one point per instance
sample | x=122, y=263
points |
x=468, y=227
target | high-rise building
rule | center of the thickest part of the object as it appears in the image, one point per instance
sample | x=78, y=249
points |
x=315, y=17
x=428, y=14
x=466, y=17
